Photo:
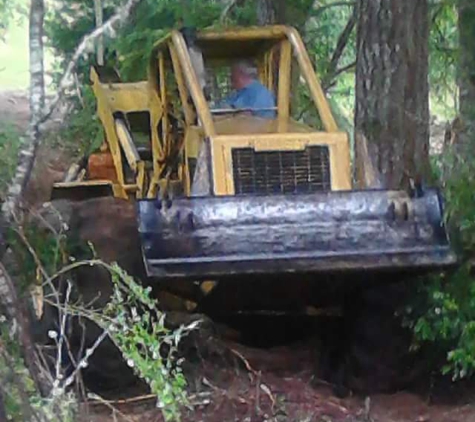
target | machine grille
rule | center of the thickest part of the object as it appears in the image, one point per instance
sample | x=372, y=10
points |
x=276, y=172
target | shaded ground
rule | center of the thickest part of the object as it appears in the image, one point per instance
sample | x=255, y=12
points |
x=277, y=385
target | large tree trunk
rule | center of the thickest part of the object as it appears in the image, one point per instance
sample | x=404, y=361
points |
x=467, y=74
x=392, y=90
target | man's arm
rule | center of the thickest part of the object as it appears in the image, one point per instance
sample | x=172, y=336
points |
x=228, y=102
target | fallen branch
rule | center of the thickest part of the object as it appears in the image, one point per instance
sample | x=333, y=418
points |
x=109, y=404
x=98, y=400
x=244, y=360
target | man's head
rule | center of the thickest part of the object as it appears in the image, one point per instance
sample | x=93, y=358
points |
x=243, y=72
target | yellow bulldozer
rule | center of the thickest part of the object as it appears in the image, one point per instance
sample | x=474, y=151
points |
x=223, y=193
x=241, y=210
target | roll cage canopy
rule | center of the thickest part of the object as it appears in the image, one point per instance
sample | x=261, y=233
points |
x=272, y=47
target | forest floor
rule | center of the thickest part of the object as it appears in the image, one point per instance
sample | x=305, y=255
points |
x=274, y=384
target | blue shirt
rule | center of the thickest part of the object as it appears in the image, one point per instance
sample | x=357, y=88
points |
x=254, y=95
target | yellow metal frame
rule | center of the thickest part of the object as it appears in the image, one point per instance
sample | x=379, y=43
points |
x=113, y=98
x=170, y=55
x=291, y=44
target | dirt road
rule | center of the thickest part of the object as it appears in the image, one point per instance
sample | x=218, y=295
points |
x=14, y=108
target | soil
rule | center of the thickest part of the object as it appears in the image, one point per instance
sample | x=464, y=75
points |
x=258, y=384
x=278, y=385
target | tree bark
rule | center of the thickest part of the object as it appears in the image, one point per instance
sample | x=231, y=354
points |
x=270, y=12
x=98, y=11
x=392, y=90
x=467, y=75
x=266, y=13
x=37, y=71
x=9, y=299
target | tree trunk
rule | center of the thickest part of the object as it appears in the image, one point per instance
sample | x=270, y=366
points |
x=98, y=11
x=15, y=310
x=9, y=299
x=271, y=12
x=266, y=12
x=37, y=104
x=392, y=90
x=37, y=83
x=467, y=74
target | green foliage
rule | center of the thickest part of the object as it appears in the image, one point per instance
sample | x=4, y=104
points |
x=21, y=399
x=137, y=327
x=131, y=319
x=14, y=375
x=443, y=312
x=443, y=57
x=11, y=12
x=323, y=32
x=83, y=132
x=130, y=50
x=10, y=142
x=40, y=248
x=460, y=201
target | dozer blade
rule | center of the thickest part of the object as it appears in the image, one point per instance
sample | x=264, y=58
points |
x=323, y=232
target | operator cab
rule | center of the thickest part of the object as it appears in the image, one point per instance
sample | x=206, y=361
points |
x=273, y=64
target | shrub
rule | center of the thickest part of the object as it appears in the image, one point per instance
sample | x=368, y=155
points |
x=443, y=310
x=131, y=319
